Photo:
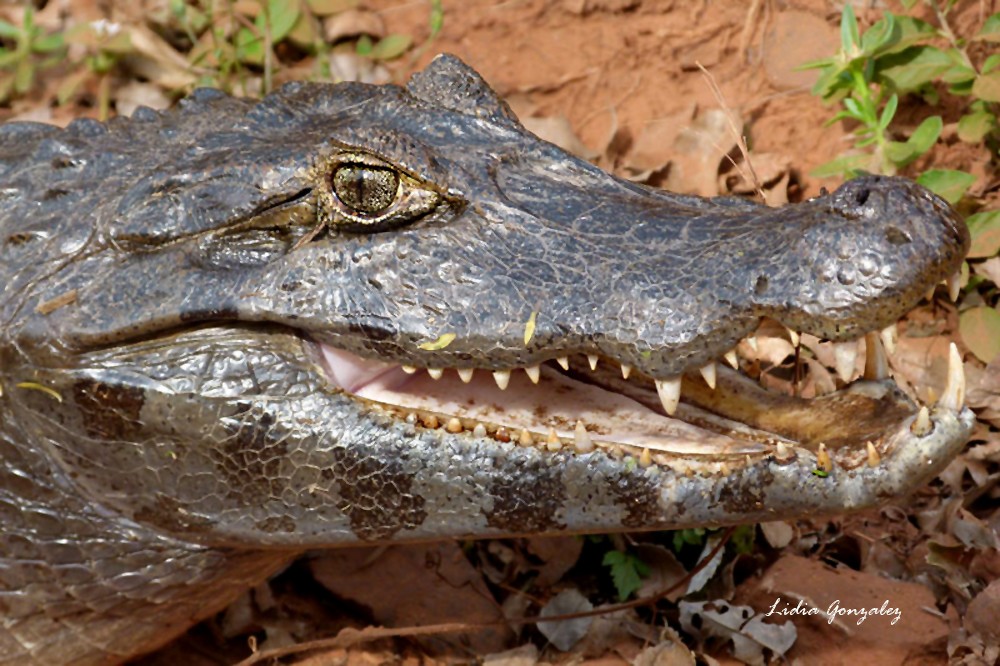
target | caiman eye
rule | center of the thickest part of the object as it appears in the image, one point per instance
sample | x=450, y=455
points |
x=365, y=193
x=368, y=190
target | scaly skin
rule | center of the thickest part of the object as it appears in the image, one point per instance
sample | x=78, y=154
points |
x=174, y=285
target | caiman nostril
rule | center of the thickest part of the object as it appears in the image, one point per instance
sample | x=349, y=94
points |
x=897, y=237
x=761, y=285
x=861, y=196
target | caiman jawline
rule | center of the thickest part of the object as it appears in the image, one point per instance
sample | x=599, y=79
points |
x=723, y=415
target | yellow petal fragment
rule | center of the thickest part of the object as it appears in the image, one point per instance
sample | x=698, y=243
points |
x=443, y=341
x=529, y=328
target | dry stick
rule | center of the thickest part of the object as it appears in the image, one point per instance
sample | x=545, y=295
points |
x=740, y=139
x=748, y=24
x=349, y=637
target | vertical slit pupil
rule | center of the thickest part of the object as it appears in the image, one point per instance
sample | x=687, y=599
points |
x=366, y=189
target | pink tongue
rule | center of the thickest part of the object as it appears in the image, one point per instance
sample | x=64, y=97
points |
x=353, y=373
x=557, y=402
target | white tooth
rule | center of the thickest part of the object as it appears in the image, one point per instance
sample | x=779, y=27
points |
x=533, y=373
x=876, y=362
x=845, y=357
x=592, y=359
x=752, y=342
x=954, y=286
x=873, y=457
x=930, y=293
x=553, y=443
x=669, y=391
x=582, y=442
x=563, y=361
x=708, y=373
x=465, y=374
x=645, y=458
x=794, y=337
x=409, y=369
x=890, y=336
x=782, y=451
x=479, y=431
x=921, y=425
x=626, y=371
x=731, y=359
x=435, y=373
x=954, y=389
x=502, y=378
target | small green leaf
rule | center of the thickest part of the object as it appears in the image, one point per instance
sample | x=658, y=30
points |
x=282, y=16
x=690, y=537
x=249, y=46
x=881, y=37
x=926, y=134
x=987, y=87
x=948, y=184
x=841, y=166
x=443, y=341
x=888, y=112
x=990, y=32
x=627, y=572
x=743, y=539
x=849, y=37
x=902, y=153
x=980, y=330
x=9, y=31
x=973, y=127
x=991, y=63
x=821, y=473
x=48, y=43
x=985, y=231
x=959, y=73
x=436, y=18
x=912, y=67
x=913, y=30
x=364, y=46
x=391, y=46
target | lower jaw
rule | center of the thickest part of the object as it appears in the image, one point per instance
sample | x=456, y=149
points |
x=582, y=410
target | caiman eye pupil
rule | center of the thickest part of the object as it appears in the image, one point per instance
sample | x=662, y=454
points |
x=366, y=189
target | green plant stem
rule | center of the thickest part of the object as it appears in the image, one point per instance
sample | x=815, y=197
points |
x=949, y=34
x=862, y=90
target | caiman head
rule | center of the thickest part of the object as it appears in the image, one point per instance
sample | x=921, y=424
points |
x=354, y=312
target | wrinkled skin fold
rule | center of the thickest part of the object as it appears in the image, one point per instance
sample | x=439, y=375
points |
x=211, y=317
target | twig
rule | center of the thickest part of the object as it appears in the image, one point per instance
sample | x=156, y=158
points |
x=740, y=138
x=350, y=636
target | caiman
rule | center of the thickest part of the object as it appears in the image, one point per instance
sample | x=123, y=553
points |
x=353, y=314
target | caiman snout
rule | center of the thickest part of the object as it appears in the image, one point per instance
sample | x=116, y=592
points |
x=865, y=256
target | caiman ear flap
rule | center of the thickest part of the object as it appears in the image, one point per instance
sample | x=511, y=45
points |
x=450, y=83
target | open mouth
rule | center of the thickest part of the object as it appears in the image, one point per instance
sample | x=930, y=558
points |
x=719, y=414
